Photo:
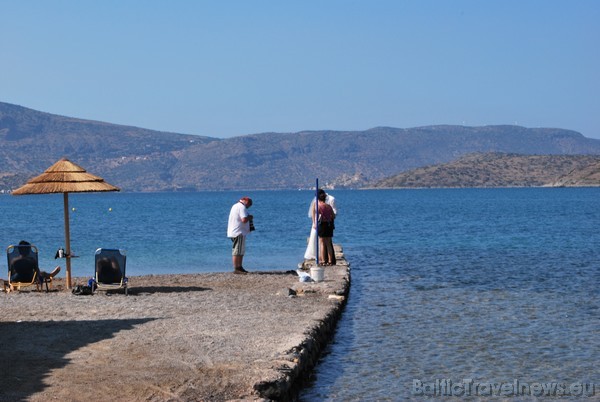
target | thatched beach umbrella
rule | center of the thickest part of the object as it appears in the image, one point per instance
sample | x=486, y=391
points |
x=65, y=177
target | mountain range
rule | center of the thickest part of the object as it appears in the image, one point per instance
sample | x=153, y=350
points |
x=138, y=159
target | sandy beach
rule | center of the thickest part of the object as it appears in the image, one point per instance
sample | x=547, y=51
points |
x=197, y=337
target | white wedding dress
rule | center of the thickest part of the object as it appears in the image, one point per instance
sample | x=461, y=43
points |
x=311, y=248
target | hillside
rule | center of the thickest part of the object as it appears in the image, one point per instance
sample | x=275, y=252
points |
x=502, y=170
x=138, y=159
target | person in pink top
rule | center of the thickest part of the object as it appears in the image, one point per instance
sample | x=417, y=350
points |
x=311, y=247
x=326, y=226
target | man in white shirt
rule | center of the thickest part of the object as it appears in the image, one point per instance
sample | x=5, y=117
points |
x=238, y=228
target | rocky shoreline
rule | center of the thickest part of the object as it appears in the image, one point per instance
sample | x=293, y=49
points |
x=195, y=337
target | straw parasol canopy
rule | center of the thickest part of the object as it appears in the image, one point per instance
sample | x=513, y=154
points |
x=65, y=177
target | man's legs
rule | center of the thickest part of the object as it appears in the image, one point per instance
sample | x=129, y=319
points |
x=237, y=254
x=323, y=257
x=237, y=261
x=330, y=253
x=45, y=277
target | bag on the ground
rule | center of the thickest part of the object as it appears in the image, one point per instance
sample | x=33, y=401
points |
x=82, y=290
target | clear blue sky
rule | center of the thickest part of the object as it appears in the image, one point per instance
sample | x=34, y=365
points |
x=227, y=68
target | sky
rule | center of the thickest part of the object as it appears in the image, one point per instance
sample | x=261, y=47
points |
x=229, y=68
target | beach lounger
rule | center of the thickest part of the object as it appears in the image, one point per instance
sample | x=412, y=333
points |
x=23, y=266
x=110, y=269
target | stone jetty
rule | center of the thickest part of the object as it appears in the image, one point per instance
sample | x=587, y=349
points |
x=192, y=337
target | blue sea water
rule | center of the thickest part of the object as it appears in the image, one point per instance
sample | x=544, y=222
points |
x=154, y=228
x=492, y=285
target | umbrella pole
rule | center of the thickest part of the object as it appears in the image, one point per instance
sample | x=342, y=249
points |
x=67, y=239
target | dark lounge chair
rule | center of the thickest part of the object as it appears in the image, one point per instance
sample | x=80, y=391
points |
x=110, y=269
x=23, y=268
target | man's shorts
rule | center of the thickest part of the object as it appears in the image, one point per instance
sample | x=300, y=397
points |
x=239, y=245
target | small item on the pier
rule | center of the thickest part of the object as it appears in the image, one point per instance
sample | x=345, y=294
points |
x=306, y=264
x=304, y=277
x=60, y=253
x=317, y=274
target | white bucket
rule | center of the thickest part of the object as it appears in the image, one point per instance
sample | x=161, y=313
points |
x=317, y=274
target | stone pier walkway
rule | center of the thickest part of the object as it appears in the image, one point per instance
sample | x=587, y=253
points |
x=199, y=337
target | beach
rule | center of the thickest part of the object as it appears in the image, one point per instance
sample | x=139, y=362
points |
x=189, y=337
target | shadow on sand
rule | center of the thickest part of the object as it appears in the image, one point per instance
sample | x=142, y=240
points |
x=290, y=272
x=31, y=350
x=141, y=290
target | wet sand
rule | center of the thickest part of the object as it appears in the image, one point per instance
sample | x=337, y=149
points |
x=198, y=337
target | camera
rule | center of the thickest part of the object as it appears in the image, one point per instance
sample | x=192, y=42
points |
x=252, y=228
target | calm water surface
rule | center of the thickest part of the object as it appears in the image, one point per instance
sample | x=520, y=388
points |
x=488, y=284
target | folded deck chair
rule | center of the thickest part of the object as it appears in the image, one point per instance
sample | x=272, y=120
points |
x=110, y=269
x=22, y=266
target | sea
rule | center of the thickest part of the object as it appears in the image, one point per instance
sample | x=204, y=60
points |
x=458, y=294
